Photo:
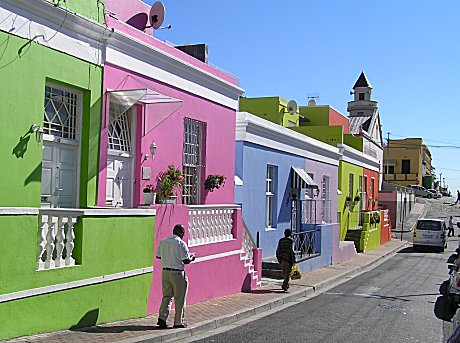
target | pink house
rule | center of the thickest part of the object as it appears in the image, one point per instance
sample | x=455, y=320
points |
x=164, y=107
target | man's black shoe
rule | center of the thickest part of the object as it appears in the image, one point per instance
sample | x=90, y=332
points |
x=180, y=326
x=162, y=323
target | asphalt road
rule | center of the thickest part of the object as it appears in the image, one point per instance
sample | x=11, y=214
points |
x=391, y=303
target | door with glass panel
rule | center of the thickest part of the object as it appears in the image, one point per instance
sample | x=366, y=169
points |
x=62, y=113
x=120, y=159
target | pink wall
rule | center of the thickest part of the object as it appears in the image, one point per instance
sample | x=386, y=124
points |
x=338, y=119
x=167, y=132
x=385, y=227
x=341, y=251
x=207, y=279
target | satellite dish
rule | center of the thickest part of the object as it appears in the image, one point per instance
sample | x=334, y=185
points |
x=139, y=21
x=157, y=15
x=311, y=102
x=292, y=107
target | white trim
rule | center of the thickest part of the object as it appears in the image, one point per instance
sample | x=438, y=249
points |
x=126, y=212
x=359, y=158
x=238, y=181
x=215, y=256
x=219, y=206
x=73, y=284
x=253, y=129
x=38, y=20
x=18, y=211
x=145, y=64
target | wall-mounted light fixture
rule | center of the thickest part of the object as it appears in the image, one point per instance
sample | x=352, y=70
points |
x=38, y=132
x=316, y=192
x=153, y=150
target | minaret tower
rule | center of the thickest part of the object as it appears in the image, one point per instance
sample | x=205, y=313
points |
x=362, y=105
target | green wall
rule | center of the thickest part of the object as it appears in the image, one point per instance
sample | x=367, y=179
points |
x=331, y=135
x=317, y=115
x=349, y=215
x=370, y=236
x=270, y=108
x=22, y=106
x=354, y=142
x=92, y=9
x=103, y=246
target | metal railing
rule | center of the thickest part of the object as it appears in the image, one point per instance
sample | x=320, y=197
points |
x=305, y=243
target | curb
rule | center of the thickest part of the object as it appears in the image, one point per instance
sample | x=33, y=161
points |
x=225, y=320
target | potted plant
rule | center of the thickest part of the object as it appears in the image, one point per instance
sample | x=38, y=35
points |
x=168, y=181
x=348, y=200
x=149, y=195
x=357, y=198
x=214, y=181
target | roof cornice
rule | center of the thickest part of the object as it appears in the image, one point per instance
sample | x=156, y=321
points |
x=137, y=49
x=358, y=158
x=46, y=13
x=251, y=128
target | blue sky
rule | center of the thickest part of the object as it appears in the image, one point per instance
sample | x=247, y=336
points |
x=409, y=51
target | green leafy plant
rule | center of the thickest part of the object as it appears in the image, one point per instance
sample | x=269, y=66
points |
x=168, y=181
x=357, y=198
x=214, y=181
x=348, y=198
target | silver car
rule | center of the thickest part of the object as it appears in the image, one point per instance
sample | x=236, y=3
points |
x=420, y=191
x=436, y=194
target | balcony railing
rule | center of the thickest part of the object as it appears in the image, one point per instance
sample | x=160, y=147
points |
x=248, y=243
x=56, y=238
x=315, y=211
x=307, y=243
x=210, y=224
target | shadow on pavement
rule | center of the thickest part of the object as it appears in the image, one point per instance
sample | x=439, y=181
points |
x=118, y=329
x=264, y=291
x=410, y=250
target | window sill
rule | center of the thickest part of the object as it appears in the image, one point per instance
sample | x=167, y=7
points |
x=271, y=229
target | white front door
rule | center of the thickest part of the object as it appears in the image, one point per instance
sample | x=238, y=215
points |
x=120, y=162
x=59, y=175
x=61, y=123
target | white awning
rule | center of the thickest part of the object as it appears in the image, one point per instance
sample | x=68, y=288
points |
x=300, y=179
x=123, y=100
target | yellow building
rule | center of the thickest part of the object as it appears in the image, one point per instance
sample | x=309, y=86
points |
x=406, y=161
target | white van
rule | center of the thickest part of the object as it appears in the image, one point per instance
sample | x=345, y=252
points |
x=430, y=232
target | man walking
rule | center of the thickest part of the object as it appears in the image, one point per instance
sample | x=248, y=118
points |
x=458, y=197
x=174, y=254
x=450, y=231
x=286, y=257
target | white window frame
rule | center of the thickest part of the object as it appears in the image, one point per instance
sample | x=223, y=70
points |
x=193, y=161
x=270, y=196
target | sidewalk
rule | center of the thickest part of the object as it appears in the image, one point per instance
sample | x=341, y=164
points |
x=219, y=312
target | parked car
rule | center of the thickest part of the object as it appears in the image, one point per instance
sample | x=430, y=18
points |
x=436, y=194
x=431, y=233
x=420, y=191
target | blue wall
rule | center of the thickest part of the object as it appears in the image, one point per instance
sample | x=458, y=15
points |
x=251, y=167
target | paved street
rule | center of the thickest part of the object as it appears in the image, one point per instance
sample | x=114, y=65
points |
x=391, y=303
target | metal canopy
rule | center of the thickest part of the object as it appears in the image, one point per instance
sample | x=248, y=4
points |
x=300, y=179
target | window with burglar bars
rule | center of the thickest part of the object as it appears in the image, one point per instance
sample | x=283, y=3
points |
x=193, y=165
x=270, y=196
x=61, y=109
x=350, y=186
x=120, y=133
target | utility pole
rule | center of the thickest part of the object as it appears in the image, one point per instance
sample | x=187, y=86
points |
x=440, y=181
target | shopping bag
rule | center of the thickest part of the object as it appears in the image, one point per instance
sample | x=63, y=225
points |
x=295, y=272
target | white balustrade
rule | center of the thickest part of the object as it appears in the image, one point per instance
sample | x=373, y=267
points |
x=56, y=238
x=210, y=224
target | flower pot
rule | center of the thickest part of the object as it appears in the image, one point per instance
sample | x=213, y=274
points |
x=169, y=200
x=149, y=198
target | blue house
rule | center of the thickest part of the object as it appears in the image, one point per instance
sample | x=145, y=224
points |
x=287, y=180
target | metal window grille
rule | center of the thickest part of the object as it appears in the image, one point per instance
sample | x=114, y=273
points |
x=270, y=196
x=326, y=203
x=60, y=114
x=350, y=186
x=193, y=165
x=120, y=133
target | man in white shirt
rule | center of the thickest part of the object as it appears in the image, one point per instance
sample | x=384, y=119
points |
x=174, y=254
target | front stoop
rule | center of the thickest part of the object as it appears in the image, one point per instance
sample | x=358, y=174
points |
x=354, y=235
